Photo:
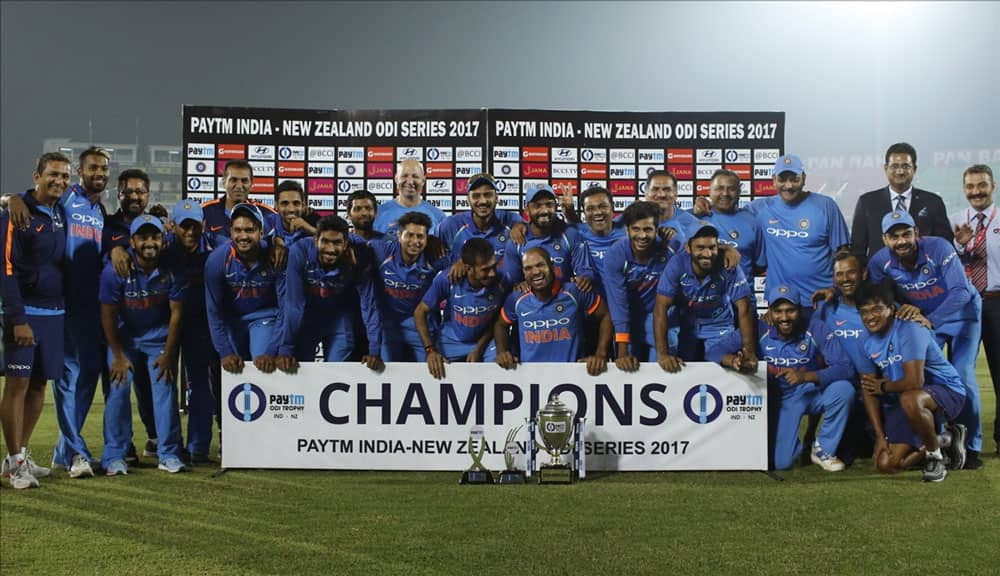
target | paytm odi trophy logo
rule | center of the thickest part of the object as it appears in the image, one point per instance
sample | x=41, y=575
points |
x=696, y=403
x=247, y=402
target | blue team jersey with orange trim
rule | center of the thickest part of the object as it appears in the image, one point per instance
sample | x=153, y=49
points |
x=467, y=312
x=741, y=231
x=33, y=262
x=143, y=299
x=456, y=229
x=402, y=286
x=390, y=212
x=845, y=323
x=567, y=248
x=84, y=233
x=704, y=306
x=217, y=224
x=550, y=330
x=630, y=286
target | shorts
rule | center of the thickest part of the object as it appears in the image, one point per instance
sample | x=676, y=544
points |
x=45, y=358
x=897, y=426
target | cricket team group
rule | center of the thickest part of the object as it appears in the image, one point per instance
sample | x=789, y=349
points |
x=873, y=330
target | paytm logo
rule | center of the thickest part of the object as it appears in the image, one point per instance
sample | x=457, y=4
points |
x=651, y=155
x=321, y=170
x=621, y=172
x=506, y=153
x=760, y=172
x=201, y=150
x=346, y=154
x=466, y=170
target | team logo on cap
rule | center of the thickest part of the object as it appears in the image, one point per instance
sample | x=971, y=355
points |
x=788, y=160
x=187, y=205
x=783, y=290
x=146, y=218
x=897, y=215
x=804, y=223
x=734, y=234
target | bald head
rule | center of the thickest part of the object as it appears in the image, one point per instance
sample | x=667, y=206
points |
x=410, y=182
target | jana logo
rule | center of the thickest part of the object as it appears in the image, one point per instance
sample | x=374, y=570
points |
x=242, y=402
x=696, y=403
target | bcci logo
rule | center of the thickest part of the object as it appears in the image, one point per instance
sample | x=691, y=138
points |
x=247, y=402
x=703, y=403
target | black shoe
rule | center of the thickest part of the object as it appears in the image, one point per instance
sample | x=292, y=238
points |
x=131, y=458
x=934, y=469
x=972, y=461
x=150, y=450
x=200, y=458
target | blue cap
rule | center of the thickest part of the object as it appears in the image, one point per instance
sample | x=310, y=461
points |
x=249, y=210
x=782, y=292
x=699, y=227
x=536, y=190
x=145, y=220
x=477, y=180
x=789, y=163
x=896, y=218
x=187, y=210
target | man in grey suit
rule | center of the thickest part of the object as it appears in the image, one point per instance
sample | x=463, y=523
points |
x=927, y=208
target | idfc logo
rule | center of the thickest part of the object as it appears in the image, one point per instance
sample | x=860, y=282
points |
x=201, y=150
x=679, y=155
x=466, y=170
x=409, y=153
x=765, y=155
x=291, y=153
x=353, y=170
x=506, y=153
x=440, y=155
x=320, y=187
x=439, y=170
x=532, y=170
x=383, y=186
x=260, y=152
x=622, y=172
x=681, y=171
x=761, y=172
x=564, y=171
x=469, y=154
x=594, y=155
x=705, y=171
x=654, y=155
x=322, y=170
x=322, y=153
x=379, y=154
x=263, y=185
x=380, y=170
x=345, y=154
x=439, y=186
x=262, y=169
x=198, y=184
x=622, y=155
x=744, y=171
x=505, y=169
x=508, y=185
x=564, y=154
x=535, y=154
x=623, y=188
x=593, y=171
x=291, y=169
x=231, y=151
x=738, y=156
x=247, y=402
x=708, y=155
x=350, y=185
x=764, y=188
x=200, y=167
x=703, y=404
x=646, y=169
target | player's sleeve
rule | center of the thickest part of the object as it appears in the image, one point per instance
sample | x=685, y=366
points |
x=589, y=301
x=438, y=290
x=215, y=304
x=838, y=227
x=738, y=286
x=180, y=286
x=446, y=231
x=731, y=343
x=109, y=290
x=615, y=290
x=838, y=363
x=956, y=284
x=509, y=311
x=508, y=217
x=10, y=289
x=876, y=266
x=668, y=284
x=583, y=262
x=512, y=273
x=294, y=303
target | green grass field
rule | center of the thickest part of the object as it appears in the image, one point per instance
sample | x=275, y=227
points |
x=295, y=522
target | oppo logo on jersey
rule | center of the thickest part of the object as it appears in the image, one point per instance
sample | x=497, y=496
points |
x=88, y=220
x=889, y=361
x=919, y=285
x=401, y=285
x=782, y=233
x=785, y=361
x=544, y=324
x=472, y=310
x=848, y=333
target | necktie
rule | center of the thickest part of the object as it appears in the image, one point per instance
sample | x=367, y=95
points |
x=900, y=203
x=977, y=264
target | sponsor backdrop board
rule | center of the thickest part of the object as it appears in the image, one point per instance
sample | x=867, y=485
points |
x=344, y=416
x=332, y=152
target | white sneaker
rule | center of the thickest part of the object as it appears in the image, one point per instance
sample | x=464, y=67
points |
x=7, y=467
x=116, y=468
x=80, y=468
x=172, y=464
x=21, y=478
x=36, y=470
x=825, y=460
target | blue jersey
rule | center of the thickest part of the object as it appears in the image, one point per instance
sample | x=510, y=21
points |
x=800, y=241
x=390, y=212
x=314, y=295
x=216, y=218
x=468, y=312
x=705, y=306
x=813, y=350
x=143, y=300
x=937, y=285
x=116, y=232
x=681, y=221
x=235, y=292
x=568, y=250
x=630, y=286
x=192, y=265
x=278, y=225
x=84, y=233
x=402, y=286
x=742, y=231
x=550, y=330
x=845, y=323
x=905, y=342
x=456, y=229
x=599, y=245
x=33, y=261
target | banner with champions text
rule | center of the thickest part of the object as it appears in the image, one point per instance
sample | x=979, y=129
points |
x=344, y=416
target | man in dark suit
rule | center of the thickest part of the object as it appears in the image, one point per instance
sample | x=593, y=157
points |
x=927, y=208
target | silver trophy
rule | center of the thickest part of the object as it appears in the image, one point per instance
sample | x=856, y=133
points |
x=555, y=426
x=511, y=475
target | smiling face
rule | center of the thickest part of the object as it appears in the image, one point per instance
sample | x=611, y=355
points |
x=413, y=239
x=410, y=180
x=290, y=206
x=790, y=186
x=237, y=182
x=483, y=273
x=537, y=271
x=597, y=209
x=483, y=201
x=978, y=188
x=785, y=316
x=663, y=191
x=902, y=241
x=362, y=214
x=704, y=254
x=93, y=171
x=847, y=276
x=188, y=233
x=52, y=182
x=330, y=245
x=725, y=193
x=147, y=243
x=542, y=211
x=876, y=316
x=246, y=234
x=642, y=234
x=133, y=197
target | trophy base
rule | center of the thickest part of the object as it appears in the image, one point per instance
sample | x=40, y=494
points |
x=548, y=474
x=512, y=477
x=476, y=477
